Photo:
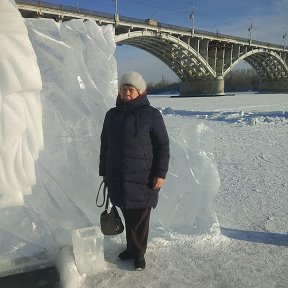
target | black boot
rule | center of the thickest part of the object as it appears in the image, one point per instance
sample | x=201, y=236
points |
x=125, y=255
x=139, y=263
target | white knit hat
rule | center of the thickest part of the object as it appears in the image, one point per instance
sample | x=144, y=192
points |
x=134, y=79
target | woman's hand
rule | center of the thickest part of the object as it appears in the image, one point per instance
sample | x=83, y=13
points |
x=157, y=182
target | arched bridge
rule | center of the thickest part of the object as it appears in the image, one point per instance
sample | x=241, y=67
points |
x=200, y=59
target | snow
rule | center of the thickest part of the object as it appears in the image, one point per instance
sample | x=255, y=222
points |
x=238, y=141
x=67, y=268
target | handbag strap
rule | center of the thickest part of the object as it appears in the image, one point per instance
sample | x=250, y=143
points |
x=105, y=195
x=107, y=202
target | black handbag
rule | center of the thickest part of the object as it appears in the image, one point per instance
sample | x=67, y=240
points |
x=110, y=222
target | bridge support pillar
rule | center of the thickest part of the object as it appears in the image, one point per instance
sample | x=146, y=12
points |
x=274, y=86
x=202, y=87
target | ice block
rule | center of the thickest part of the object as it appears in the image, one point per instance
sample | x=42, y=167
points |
x=88, y=250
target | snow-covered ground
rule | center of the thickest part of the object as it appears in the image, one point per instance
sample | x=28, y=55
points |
x=251, y=205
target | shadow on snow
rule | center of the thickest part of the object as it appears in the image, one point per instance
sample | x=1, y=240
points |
x=255, y=236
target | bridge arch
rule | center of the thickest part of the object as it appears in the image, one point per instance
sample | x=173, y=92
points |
x=204, y=72
x=179, y=56
x=267, y=64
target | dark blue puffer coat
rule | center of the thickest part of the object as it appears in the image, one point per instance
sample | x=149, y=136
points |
x=134, y=150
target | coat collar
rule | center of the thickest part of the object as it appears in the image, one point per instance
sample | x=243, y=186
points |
x=134, y=104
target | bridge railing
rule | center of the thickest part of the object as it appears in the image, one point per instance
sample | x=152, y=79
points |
x=217, y=35
x=66, y=8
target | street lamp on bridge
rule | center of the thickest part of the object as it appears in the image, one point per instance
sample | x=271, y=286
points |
x=192, y=16
x=116, y=16
x=284, y=39
x=116, y=6
x=250, y=31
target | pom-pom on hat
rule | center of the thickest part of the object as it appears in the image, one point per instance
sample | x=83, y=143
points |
x=134, y=79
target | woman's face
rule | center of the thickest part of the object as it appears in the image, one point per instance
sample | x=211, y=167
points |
x=128, y=92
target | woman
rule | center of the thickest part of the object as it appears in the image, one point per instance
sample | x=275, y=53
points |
x=134, y=161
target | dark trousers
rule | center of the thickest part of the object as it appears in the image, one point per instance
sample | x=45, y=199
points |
x=137, y=229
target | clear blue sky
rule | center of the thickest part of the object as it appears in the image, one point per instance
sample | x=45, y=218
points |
x=269, y=23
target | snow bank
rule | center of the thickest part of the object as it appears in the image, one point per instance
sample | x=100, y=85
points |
x=250, y=117
x=79, y=78
x=69, y=275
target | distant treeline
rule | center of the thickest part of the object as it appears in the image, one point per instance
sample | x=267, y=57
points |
x=235, y=81
x=163, y=87
x=241, y=80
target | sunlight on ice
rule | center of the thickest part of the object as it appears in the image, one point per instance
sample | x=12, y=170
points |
x=81, y=83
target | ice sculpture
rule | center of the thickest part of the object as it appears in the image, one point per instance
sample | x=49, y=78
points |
x=186, y=200
x=79, y=77
x=21, y=135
